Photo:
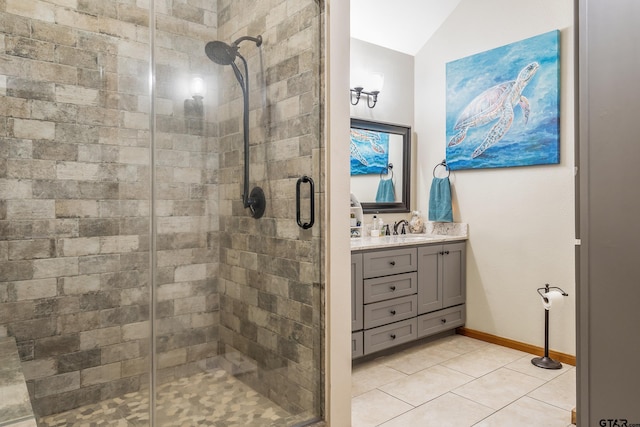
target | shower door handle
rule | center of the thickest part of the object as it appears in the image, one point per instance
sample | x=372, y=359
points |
x=309, y=224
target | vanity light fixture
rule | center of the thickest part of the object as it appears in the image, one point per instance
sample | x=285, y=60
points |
x=376, y=82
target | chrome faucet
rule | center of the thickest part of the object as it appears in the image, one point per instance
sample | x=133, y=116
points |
x=404, y=223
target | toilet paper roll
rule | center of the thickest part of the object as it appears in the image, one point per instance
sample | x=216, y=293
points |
x=555, y=299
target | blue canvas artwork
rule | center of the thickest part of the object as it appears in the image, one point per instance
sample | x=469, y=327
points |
x=503, y=106
x=369, y=152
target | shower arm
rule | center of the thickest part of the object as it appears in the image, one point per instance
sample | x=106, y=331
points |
x=256, y=40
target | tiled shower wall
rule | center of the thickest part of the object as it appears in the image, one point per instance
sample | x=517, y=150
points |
x=75, y=195
x=270, y=269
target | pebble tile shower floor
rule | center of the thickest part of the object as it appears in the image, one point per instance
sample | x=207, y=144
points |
x=213, y=398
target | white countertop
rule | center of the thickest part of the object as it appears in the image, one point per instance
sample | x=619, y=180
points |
x=363, y=243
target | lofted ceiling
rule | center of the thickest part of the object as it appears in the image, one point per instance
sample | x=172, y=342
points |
x=401, y=25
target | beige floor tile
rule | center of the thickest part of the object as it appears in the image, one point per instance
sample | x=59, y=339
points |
x=480, y=362
x=374, y=408
x=503, y=388
x=499, y=388
x=416, y=359
x=560, y=392
x=525, y=366
x=371, y=375
x=448, y=410
x=461, y=344
x=528, y=412
x=426, y=385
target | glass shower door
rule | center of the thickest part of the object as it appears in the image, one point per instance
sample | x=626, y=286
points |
x=238, y=335
x=138, y=286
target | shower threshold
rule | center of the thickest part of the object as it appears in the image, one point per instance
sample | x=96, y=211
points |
x=212, y=398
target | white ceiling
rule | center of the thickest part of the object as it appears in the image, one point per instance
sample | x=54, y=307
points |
x=401, y=25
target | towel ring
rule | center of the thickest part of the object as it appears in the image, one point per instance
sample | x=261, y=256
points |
x=388, y=168
x=444, y=164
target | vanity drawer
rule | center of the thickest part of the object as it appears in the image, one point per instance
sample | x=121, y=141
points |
x=357, y=344
x=383, y=288
x=381, y=313
x=393, y=261
x=442, y=320
x=389, y=335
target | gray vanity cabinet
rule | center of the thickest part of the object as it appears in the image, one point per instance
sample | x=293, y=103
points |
x=401, y=294
x=357, y=314
x=356, y=292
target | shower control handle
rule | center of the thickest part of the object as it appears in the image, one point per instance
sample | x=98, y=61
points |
x=305, y=225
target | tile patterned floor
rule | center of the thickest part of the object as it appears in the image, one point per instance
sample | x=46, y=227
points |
x=462, y=382
x=212, y=398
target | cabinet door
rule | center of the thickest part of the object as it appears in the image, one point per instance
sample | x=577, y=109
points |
x=356, y=292
x=429, y=283
x=454, y=265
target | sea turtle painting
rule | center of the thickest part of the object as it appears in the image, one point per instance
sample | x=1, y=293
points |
x=369, y=151
x=503, y=105
x=495, y=103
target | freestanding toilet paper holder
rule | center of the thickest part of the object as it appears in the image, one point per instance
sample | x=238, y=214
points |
x=546, y=362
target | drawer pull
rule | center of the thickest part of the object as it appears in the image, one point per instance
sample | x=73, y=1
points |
x=392, y=262
x=392, y=287
x=446, y=252
x=393, y=336
x=393, y=312
x=443, y=320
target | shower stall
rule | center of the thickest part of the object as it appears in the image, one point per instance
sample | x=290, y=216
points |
x=161, y=250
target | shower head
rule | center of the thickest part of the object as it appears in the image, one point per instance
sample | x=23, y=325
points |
x=223, y=54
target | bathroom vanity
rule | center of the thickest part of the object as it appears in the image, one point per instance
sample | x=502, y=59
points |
x=404, y=288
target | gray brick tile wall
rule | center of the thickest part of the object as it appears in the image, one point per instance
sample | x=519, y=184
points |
x=75, y=197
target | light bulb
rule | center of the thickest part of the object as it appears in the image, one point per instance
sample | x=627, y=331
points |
x=197, y=87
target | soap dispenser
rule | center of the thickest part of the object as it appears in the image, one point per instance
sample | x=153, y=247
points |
x=375, y=227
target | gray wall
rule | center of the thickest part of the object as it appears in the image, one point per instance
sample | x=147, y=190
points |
x=609, y=294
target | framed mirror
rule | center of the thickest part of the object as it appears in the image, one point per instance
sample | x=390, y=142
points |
x=380, y=166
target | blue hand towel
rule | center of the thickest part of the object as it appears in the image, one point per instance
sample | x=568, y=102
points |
x=440, y=201
x=386, y=192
